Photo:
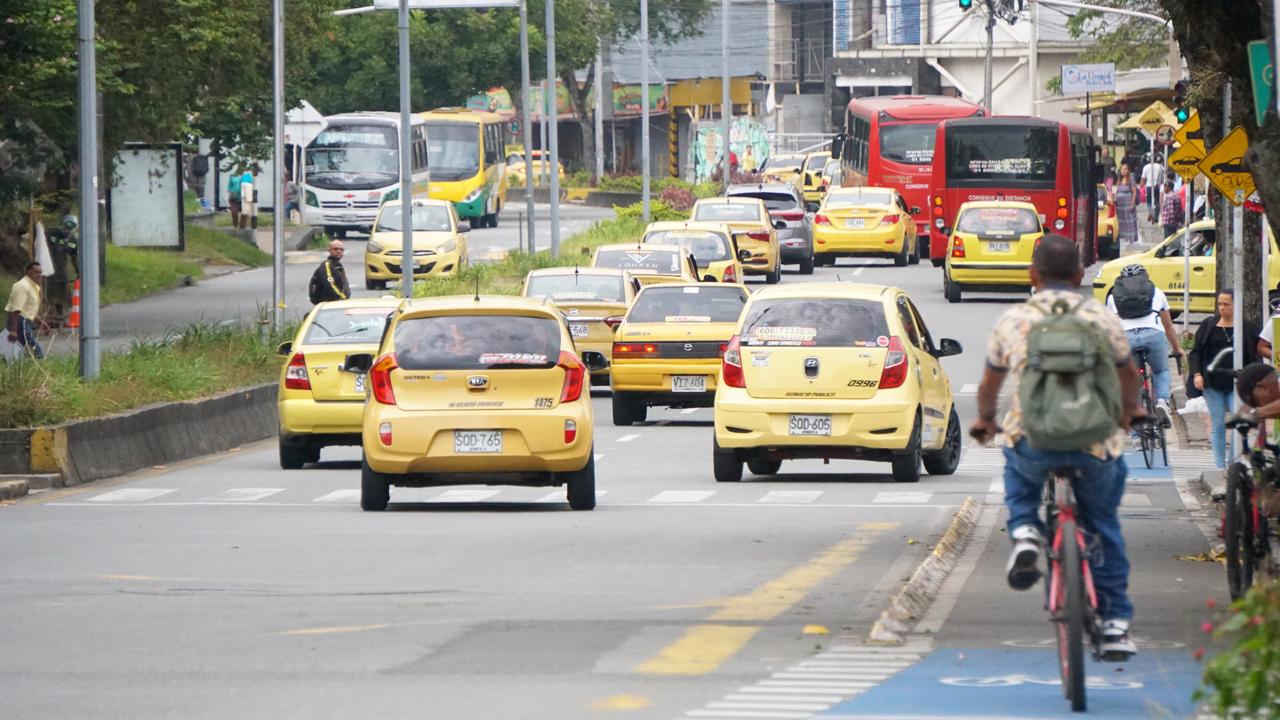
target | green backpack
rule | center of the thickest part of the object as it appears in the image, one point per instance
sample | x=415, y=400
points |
x=1069, y=391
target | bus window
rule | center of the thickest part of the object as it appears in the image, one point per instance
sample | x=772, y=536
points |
x=453, y=150
x=1011, y=156
x=908, y=143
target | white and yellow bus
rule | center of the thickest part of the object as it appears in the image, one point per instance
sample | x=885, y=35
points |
x=466, y=160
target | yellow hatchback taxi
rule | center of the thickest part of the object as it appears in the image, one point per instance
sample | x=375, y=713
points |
x=755, y=232
x=783, y=168
x=439, y=243
x=593, y=301
x=319, y=404
x=649, y=264
x=711, y=244
x=812, y=182
x=835, y=370
x=864, y=222
x=477, y=390
x=990, y=248
x=668, y=348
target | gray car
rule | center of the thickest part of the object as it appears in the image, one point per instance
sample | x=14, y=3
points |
x=786, y=206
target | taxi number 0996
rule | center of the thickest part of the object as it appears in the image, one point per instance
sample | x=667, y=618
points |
x=467, y=442
x=810, y=425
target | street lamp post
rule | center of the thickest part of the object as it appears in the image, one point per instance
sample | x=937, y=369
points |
x=726, y=100
x=90, y=353
x=553, y=132
x=277, y=112
x=644, y=105
x=527, y=130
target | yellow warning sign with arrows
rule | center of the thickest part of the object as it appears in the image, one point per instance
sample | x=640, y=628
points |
x=1190, y=133
x=1224, y=166
x=1185, y=161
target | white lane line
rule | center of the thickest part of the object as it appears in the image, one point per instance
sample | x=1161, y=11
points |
x=681, y=496
x=628, y=438
x=996, y=486
x=811, y=686
x=820, y=666
x=749, y=714
x=689, y=411
x=244, y=494
x=831, y=676
x=559, y=496
x=130, y=495
x=339, y=496
x=969, y=388
x=790, y=496
x=858, y=271
x=892, y=497
x=811, y=707
x=464, y=496
x=598, y=456
x=758, y=695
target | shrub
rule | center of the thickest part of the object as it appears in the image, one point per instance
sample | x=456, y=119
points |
x=658, y=211
x=678, y=199
x=1244, y=680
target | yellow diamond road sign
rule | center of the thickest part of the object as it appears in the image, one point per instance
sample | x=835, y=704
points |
x=1155, y=115
x=1190, y=132
x=1186, y=160
x=1224, y=166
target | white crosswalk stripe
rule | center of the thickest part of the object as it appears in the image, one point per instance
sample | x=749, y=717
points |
x=902, y=498
x=244, y=495
x=790, y=496
x=561, y=496
x=681, y=496
x=464, y=496
x=348, y=495
x=130, y=495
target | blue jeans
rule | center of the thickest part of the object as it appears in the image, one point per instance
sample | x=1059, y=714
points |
x=27, y=337
x=1157, y=347
x=1098, y=492
x=1220, y=403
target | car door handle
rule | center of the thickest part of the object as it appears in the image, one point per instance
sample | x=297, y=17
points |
x=1198, y=268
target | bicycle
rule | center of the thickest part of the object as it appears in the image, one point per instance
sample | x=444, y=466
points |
x=1152, y=435
x=1245, y=528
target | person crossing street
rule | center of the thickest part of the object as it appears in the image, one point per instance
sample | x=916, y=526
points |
x=329, y=281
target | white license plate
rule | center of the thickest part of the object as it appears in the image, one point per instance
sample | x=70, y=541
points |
x=360, y=383
x=467, y=442
x=350, y=218
x=577, y=329
x=810, y=425
x=688, y=383
x=855, y=222
x=998, y=246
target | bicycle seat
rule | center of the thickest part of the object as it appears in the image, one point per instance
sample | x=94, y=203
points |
x=1246, y=420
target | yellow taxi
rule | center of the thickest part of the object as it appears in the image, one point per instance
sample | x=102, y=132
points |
x=516, y=171
x=813, y=182
x=711, y=245
x=319, y=404
x=593, y=301
x=835, y=370
x=439, y=243
x=990, y=248
x=783, y=168
x=864, y=222
x=668, y=348
x=755, y=232
x=649, y=264
x=1166, y=267
x=1108, y=233
x=483, y=389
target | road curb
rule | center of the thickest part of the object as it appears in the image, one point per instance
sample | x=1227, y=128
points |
x=911, y=602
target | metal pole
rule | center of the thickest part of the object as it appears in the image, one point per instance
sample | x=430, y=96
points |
x=406, y=165
x=1266, y=260
x=90, y=353
x=277, y=170
x=1033, y=57
x=644, y=105
x=986, y=86
x=542, y=135
x=527, y=126
x=600, y=111
x=726, y=101
x=553, y=133
x=1186, y=255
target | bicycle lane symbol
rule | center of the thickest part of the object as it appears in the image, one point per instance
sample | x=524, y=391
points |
x=1092, y=682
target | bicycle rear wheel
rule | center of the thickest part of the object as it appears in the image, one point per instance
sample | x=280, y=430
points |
x=1071, y=624
x=1164, y=444
x=1148, y=446
x=1237, y=531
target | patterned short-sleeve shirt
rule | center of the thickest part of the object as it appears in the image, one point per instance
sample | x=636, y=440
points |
x=1007, y=350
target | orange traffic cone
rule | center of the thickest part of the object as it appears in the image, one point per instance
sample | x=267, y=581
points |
x=74, y=320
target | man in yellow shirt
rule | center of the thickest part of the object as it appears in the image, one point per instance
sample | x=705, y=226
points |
x=23, y=309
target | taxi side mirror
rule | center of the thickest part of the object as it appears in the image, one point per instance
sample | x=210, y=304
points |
x=744, y=255
x=811, y=207
x=594, y=360
x=779, y=224
x=464, y=228
x=915, y=209
x=284, y=348
x=948, y=347
x=357, y=363
x=946, y=231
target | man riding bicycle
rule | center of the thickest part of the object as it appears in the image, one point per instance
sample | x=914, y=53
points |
x=1143, y=310
x=1055, y=277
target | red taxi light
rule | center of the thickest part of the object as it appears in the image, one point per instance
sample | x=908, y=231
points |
x=730, y=275
x=787, y=214
x=384, y=434
x=574, y=375
x=613, y=321
x=295, y=376
x=957, y=247
x=380, y=379
x=623, y=350
x=821, y=219
x=761, y=235
x=731, y=365
x=570, y=432
x=890, y=219
x=895, y=365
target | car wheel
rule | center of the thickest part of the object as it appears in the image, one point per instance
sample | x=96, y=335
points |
x=945, y=460
x=476, y=222
x=627, y=409
x=375, y=284
x=493, y=218
x=293, y=457
x=823, y=260
x=903, y=256
x=581, y=485
x=906, y=464
x=726, y=464
x=806, y=265
x=375, y=489
x=937, y=262
x=313, y=453
x=764, y=466
x=772, y=277
x=952, y=288
x=914, y=257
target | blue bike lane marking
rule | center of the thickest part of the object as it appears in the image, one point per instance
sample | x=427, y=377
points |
x=1024, y=683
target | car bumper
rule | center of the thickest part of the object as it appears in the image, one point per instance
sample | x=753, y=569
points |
x=387, y=267
x=1012, y=274
x=745, y=423
x=833, y=240
x=322, y=217
x=301, y=418
x=472, y=209
x=655, y=377
x=761, y=262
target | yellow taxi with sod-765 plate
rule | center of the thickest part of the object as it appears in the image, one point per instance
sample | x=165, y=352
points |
x=990, y=248
x=477, y=390
x=319, y=404
x=668, y=348
x=861, y=222
x=593, y=300
x=835, y=370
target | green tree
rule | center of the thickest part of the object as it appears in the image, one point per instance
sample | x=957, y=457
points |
x=1127, y=41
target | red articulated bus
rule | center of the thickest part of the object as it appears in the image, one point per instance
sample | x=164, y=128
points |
x=1047, y=163
x=888, y=142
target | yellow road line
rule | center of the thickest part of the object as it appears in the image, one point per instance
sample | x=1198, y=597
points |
x=621, y=702
x=774, y=597
x=700, y=650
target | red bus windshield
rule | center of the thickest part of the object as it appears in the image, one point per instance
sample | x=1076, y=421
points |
x=908, y=143
x=1004, y=156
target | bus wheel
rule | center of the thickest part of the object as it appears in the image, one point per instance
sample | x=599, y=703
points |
x=492, y=220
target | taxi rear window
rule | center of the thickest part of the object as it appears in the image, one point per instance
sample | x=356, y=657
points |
x=727, y=212
x=816, y=323
x=998, y=222
x=477, y=342
x=705, y=246
x=577, y=287
x=688, y=304
x=663, y=262
x=860, y=197
x=347, y=326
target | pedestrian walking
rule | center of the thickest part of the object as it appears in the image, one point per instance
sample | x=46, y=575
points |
x=290, y=197
x=329, y=281
x=1214, y=337
x=248, y=200
x=1152, y=181
x=1126, y=195
x=22, y=312
x=233, y=197
x=1171, y=210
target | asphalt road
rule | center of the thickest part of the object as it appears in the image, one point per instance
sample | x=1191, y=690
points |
x=226, y=587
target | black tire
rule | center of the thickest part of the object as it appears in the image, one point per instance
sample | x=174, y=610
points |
x=627, y=409
x=914, y=257
x=823, y=260
x=906, y=464
x=1237, y=531
x=339, y=233
x=726, y=465
x=1071, y=624
x=492, y=218
x=1164, y=443
x=772, y=278
x=952, y=289
x=937, y=262
x=580, y=486
x=313, y=453
x=375, y=284
x=806, y=265
x=293, y=457
x=902, y=257
x=375, y=489
x=476, y=222
x=946, y=460
x=1148, y=446
x=764, y=466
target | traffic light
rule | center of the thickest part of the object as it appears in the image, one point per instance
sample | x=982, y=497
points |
x=966, y=4
x=1181, y=111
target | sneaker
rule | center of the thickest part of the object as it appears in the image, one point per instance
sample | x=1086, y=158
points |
x=1163, y=413
x=1116, y=644
x=1024, y=561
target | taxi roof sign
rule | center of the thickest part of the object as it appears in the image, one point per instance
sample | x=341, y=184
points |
x=1185, y=161
x=1190, y=132
x=1224, y=166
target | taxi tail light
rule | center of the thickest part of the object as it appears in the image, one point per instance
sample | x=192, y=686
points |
x=761, y=235
x=895, y=365
x=890, y=219
x=295, y=376
x=821, y=219
x=384, y=433
x=790, y=215
x=957, y=247
x=570, y=431
x=634, y=350
x=380, y=379
x=731, y=365
x=613, y=321
x=730, y=275
x=575, y=374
